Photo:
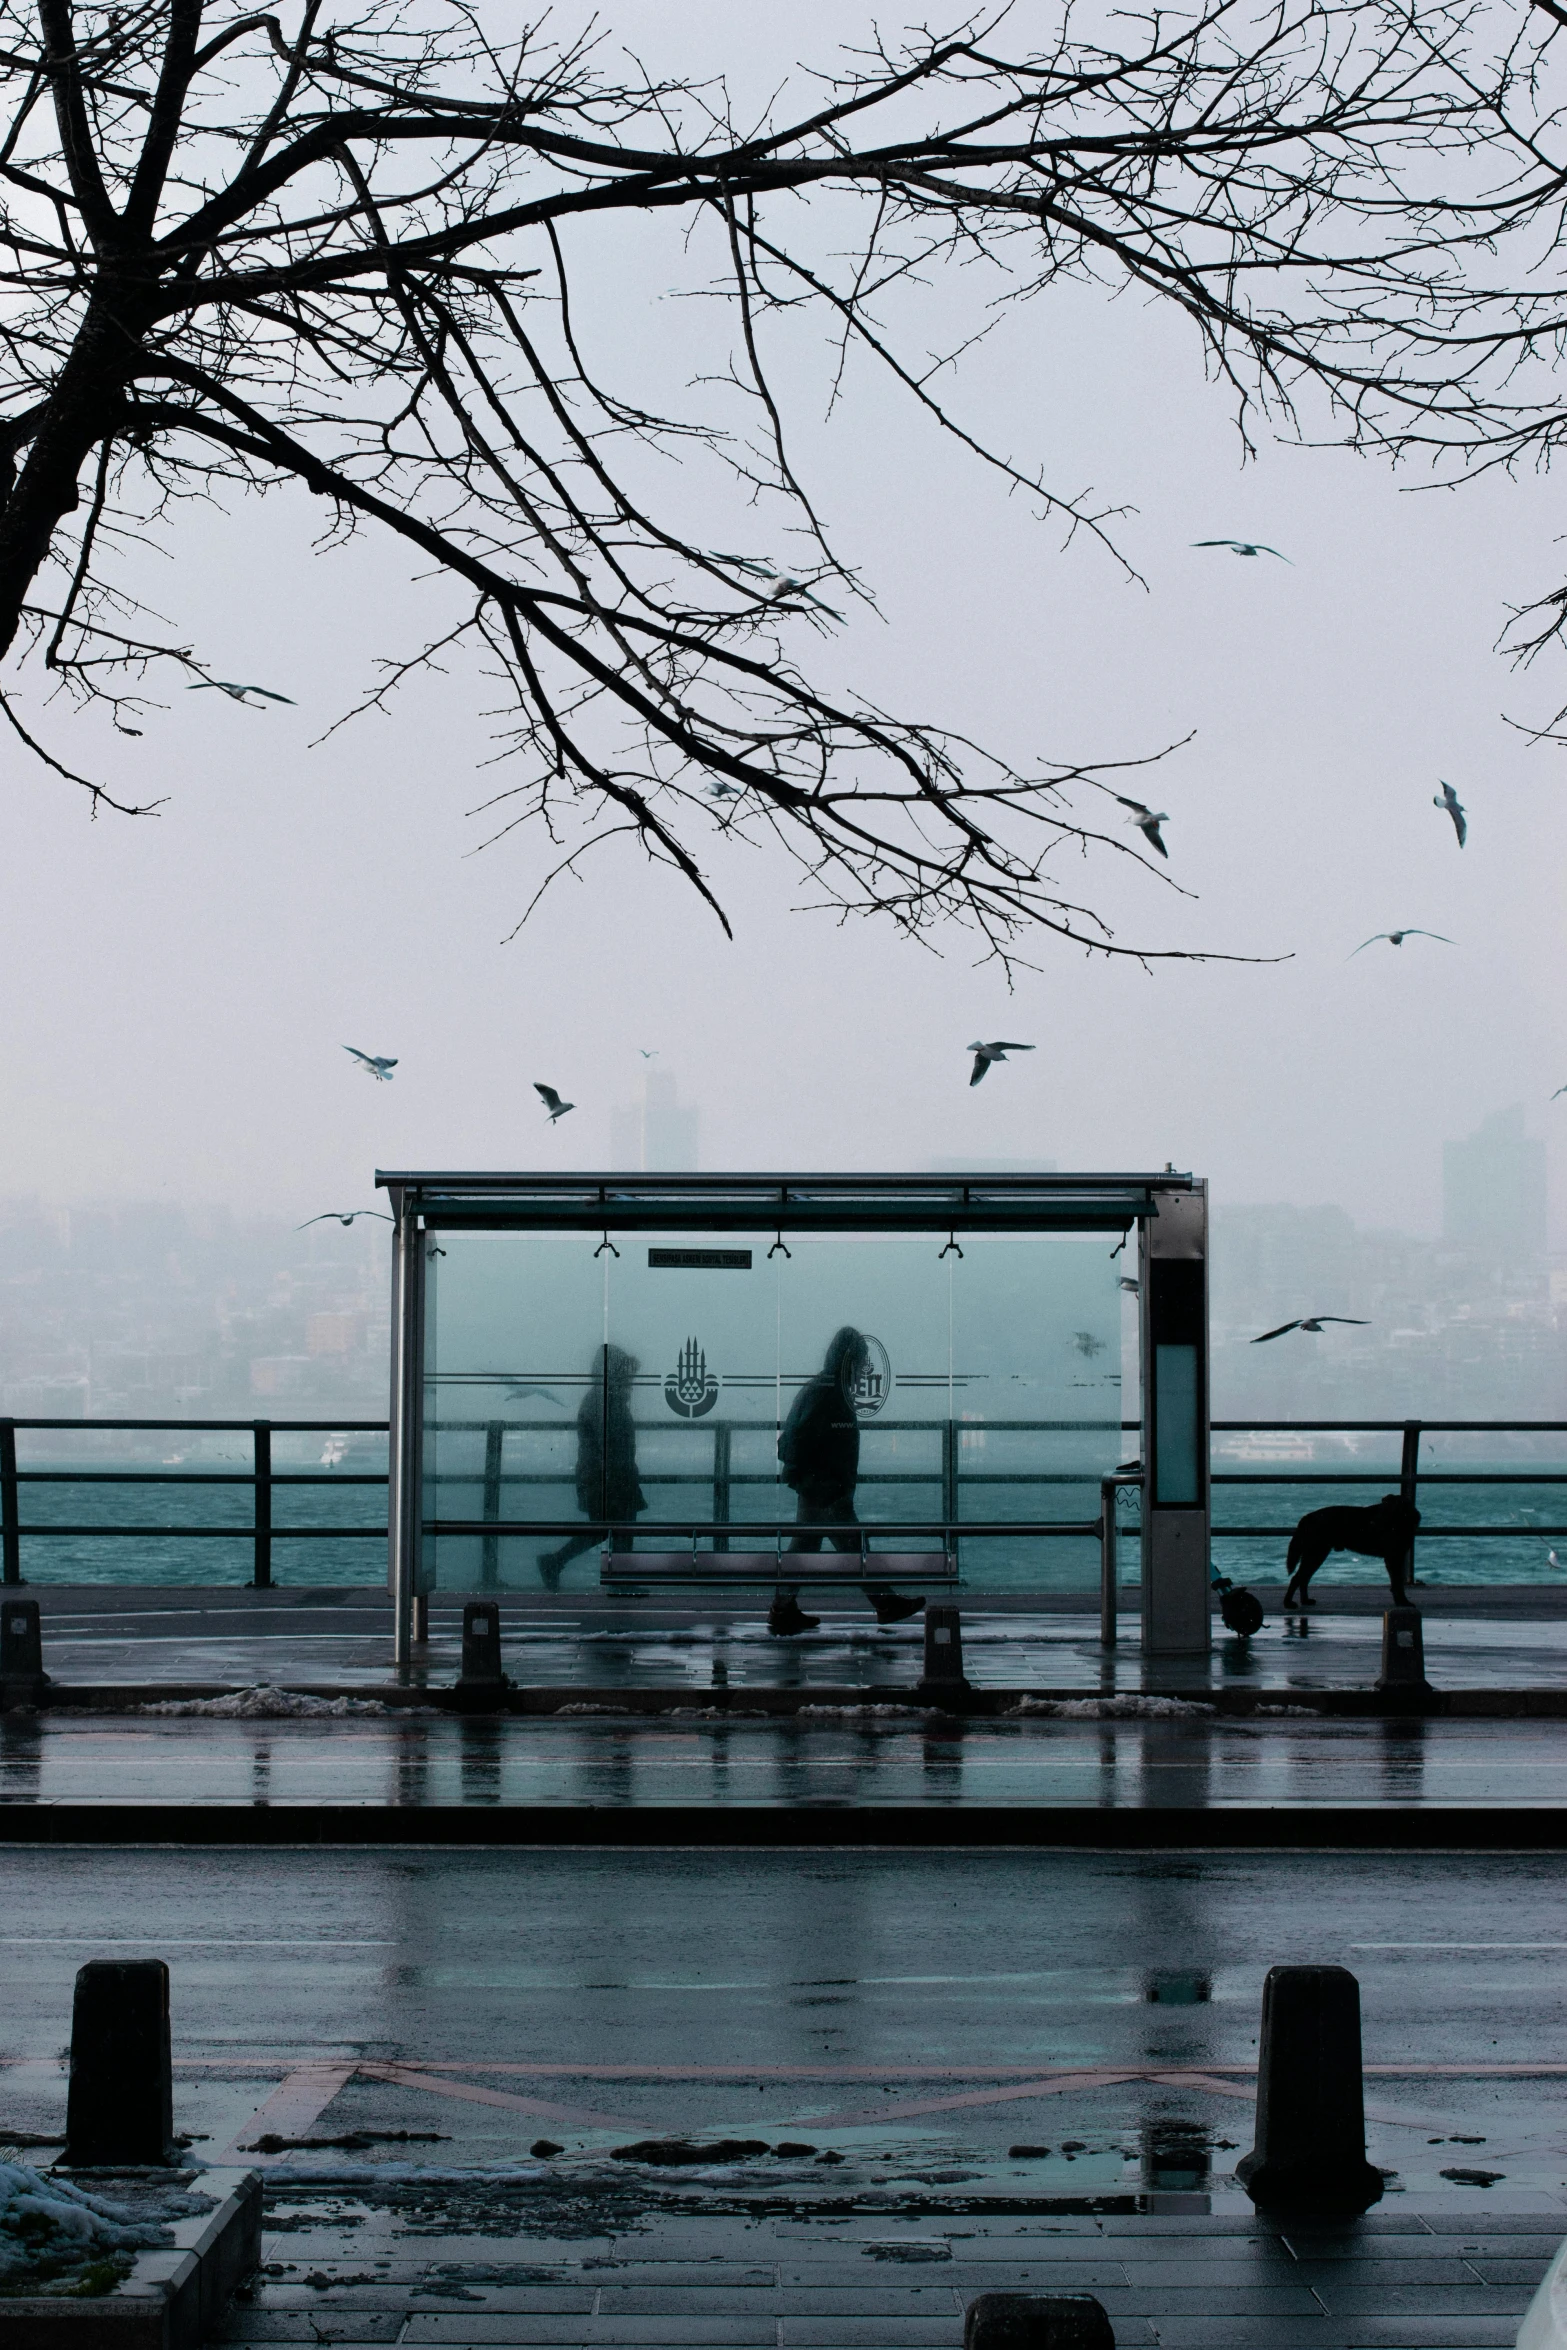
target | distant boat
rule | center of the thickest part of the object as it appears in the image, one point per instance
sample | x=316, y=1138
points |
x=334, y=1452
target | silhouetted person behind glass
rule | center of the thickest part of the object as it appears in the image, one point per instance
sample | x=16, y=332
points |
x=607, y=1484
x=820, y=1451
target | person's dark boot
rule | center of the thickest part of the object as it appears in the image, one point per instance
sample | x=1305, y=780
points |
x=550, y=1565
x=786, y=1616
x=891, y=1607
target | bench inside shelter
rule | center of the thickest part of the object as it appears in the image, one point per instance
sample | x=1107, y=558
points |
x=648, y=1570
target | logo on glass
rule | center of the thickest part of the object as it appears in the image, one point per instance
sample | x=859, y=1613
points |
x=691, y=1389
x=873, y=1384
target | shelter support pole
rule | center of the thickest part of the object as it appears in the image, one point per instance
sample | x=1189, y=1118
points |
x=1173, y=1270
x=406, y=1447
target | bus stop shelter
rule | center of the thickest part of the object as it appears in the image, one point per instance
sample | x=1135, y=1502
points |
x=591, y=1374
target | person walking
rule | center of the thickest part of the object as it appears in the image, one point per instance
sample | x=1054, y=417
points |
x=819, y=1449
x=607, y=1483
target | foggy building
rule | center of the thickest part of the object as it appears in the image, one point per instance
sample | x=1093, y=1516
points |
x=1493, y=1190
x=658, y=1133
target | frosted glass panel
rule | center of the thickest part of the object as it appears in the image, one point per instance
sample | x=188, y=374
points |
x=574, y=1389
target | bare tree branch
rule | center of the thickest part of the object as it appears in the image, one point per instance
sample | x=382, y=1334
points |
x=284, y=250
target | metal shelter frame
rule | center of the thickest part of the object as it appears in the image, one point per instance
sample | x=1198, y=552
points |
x=1168, y=1211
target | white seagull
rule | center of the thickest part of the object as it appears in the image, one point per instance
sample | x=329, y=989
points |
x=1447, y=798
x=335, y=1216
x=984, y=1054
x=1147, y=820
x=237, y=693
x=1396, y=938
x=1241, y=547
x=1557, y=1095
x=379, y=1066
x=552, y=1101
x=1311, y=1322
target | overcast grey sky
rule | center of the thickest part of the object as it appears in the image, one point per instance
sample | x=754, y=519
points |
x=178, y=990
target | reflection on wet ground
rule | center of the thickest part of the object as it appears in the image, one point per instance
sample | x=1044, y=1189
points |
x=945, y=2025
x=172, y=1636
x=900, y=1759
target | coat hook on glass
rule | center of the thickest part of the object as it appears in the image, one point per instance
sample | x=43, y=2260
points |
x=952, y=1249
x=777, y=1245
x=606, y=1243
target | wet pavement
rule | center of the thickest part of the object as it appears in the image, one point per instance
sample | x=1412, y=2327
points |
x=467, y=2269
x=922, y=2017
x=904, y=2076
x=907, y=1758
x=1473, y=1639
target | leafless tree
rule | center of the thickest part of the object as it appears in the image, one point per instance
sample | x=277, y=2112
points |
x=253, y=250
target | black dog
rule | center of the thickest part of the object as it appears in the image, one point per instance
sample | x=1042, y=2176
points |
x=1384, y=1531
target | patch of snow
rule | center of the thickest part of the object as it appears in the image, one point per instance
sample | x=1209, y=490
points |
x=265, y=1703
x=1113, y=1709
x=52, y=2235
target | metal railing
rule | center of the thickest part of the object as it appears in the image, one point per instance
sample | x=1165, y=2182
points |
x=260, y=1476
x=1411, y=1476
x=950, y=1477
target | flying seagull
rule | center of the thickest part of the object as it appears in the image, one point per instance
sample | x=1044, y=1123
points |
x=1557, y=1095
x=237, y=693
x=717, y=789
x=1147, y=820
x=521, y=1394
x=783, y=584
x=378, y=1064
x=552, y=1101
x=1241, y=547
x=1133, y=1288
x=1447, y=798
x=334, y=1216
x=646, y=1055
x=1396, y=938
x=984, y=1054
x=1312, y=1322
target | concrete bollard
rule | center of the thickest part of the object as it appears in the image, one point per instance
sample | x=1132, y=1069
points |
x=1036, y=2321
x=22, y=1676
x=482, y=1683
x=1310, y=2154
x=1403, y=1650
x=119, y=2109
x=943, y=1649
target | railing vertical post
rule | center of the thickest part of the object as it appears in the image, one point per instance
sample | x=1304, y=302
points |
x=1107, y=1563
x=490, y=1554
x=949, y=1472
x=262, y=1576
x=10, y=1514
x=1409, y=1485
x=722, y=1435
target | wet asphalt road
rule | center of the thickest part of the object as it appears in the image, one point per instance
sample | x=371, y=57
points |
x=931, y=1760
x=918, y=2014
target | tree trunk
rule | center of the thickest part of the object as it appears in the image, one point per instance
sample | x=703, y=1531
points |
x=86, y=404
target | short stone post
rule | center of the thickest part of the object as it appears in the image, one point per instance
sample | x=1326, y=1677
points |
x=119, y=2109
x=1403, y=1650
x=482, y=1683
x=22, y=1676
x=1036, y=2321
x=943, y=1650
x=1310, y=2154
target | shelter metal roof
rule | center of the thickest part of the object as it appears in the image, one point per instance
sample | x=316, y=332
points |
x=535, y=1201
